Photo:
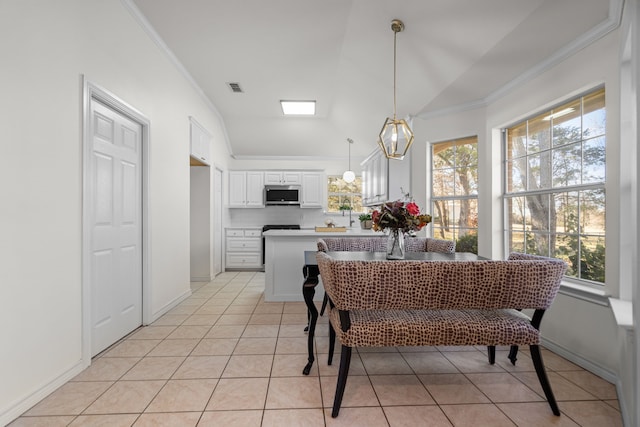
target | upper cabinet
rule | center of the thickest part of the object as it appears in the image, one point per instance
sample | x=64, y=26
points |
x=200, y=142
x=246, y=189
x=282, y=178
x=384, y=179
x=313, y=190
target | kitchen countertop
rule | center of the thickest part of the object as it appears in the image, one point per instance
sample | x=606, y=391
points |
x=306, y=232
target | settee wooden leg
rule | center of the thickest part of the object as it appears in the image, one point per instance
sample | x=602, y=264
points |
x=491, y=350
x=325, y=301
x=343, y=372
x=332, y=343
x=536, y=356
x=513, y=354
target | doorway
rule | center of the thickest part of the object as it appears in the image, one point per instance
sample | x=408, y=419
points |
x=114, y=263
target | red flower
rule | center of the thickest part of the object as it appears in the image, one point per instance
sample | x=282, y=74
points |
x=413, y=209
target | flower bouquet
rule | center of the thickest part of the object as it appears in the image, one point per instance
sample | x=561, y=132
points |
x=398, y=217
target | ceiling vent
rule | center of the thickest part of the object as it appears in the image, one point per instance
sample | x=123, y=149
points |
x=235, y=87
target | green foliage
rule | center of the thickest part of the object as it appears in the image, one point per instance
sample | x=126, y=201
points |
x=467, y=243
x=365, y=217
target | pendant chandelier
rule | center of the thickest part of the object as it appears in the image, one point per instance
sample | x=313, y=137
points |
x=396, y=136
x=349, y=176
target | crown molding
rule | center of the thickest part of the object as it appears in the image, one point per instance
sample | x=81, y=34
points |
x=155, y=37
x=612, y=22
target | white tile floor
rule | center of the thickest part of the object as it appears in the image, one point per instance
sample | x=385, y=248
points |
x=224, y=357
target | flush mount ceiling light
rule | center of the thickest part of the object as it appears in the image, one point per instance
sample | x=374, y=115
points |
x=349, y=176
x=298, y=108
x=396, y=136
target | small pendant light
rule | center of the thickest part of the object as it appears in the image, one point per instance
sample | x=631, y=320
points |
x=349, y=176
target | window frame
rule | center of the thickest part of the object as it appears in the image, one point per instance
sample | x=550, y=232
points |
x=342, y=194
x=553, y=191
x=433, y=198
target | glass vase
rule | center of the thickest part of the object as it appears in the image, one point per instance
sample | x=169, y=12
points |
x=395, y=244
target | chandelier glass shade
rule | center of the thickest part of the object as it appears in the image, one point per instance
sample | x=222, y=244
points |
x=396, y=136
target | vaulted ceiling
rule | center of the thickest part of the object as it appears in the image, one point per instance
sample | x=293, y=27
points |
x=452, y=54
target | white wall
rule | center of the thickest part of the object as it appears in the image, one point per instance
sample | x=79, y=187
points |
x=46, y=49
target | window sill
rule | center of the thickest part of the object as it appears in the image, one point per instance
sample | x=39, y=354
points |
x=586, y=293
x=623, y=312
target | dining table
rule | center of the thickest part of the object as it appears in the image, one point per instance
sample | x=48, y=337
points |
x=312, y=278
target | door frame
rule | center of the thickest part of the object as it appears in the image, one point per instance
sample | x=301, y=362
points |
x=91, y=91
x=218, y=210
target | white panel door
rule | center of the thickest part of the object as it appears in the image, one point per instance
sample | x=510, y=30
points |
x=116, y=229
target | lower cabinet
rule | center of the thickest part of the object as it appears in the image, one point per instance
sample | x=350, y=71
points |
x=243, y=248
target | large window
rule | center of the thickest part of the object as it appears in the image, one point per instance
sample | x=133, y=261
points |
x=555, y=185
x=344, y=196
x=454, y=192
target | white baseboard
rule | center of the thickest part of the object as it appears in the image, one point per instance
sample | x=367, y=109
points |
x=580, y=361
x=19, y=407
x=168, y=306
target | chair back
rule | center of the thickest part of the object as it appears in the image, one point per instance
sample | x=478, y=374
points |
x=379, y=244
x=522, y=282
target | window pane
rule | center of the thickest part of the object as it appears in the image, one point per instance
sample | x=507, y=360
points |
x=566, y=250
x=566, y=212
x=516, y=175
x=567, y=123
x=466, y=184
x=466, y=155
x=443, y=158
x=592, y=258
x=516, y=213
x=539, y=136
x=442, y=216
x=516, y=242
x=567, y=165
x=592, y=212
x=537, y=212
x=537, y=243
x=468, y=213
x=594, y=115
x=593, y=167
x=443, y=182
x=517, y=141
x=539, y=171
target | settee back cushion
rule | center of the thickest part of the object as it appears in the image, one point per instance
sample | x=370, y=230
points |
x=447, y=285
x=379, y=244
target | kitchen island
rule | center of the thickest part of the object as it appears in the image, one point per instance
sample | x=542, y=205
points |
x=284, y=259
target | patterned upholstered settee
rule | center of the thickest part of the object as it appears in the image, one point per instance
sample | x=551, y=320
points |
x=379, y=244
x=416, y=303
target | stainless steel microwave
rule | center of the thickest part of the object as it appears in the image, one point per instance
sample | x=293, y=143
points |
x=283, y=195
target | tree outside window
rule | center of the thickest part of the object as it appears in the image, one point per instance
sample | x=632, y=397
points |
x=555, y=178
x=454, y=192
x=344, y=196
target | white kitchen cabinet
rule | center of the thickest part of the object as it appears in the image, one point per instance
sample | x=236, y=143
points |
x=313, y=190
x=243, y=248
x=282, y=177
x=200, y=143
x=246, y=189
x=384, y=179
